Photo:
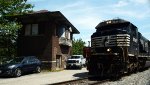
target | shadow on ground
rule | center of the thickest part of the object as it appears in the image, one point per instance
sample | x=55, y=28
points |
x=81, y=75
x=25, y=74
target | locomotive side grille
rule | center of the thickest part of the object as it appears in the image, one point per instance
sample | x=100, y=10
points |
x=111, y=40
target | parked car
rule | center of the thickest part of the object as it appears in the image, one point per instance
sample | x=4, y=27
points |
x=17, y=66
x=76, y=61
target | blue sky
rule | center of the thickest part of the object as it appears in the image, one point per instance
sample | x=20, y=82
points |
x=86, y=14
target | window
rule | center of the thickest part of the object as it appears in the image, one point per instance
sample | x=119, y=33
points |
x=69, y=35
x=31, y=29
x=34, y=29
x=65, y=32
x=41, y=28
x=61, y=31
x=58, y=61
x=27, y=29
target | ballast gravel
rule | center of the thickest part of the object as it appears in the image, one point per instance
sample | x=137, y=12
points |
x=139, y=78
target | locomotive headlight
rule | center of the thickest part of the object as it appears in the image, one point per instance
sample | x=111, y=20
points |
x=108, y=50
x=108, y=22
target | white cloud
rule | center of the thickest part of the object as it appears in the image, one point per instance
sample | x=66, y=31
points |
x=71, y=6
x=145, y=27
x=81, y=14
x=146, y=35
x=131, y=13
x=85, y=17
x=121, y=4
x=139, y=1
x=87, y=21
x=86, y=14
x=127, y=9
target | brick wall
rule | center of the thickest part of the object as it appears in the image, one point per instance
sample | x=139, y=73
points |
x=46, y=47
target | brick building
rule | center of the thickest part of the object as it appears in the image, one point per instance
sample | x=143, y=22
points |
x=47, y=35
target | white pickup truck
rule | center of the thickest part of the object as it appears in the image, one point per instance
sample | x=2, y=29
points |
x=76, y=61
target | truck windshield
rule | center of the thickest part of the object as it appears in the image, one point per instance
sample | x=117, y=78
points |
x=75, y=57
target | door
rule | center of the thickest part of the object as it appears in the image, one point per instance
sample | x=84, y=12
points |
x=58, y=61
x=26, y=65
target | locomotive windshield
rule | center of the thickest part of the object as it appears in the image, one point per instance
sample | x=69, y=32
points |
x=114, y=29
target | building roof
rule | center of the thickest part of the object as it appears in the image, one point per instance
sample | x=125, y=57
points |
x=56, y=16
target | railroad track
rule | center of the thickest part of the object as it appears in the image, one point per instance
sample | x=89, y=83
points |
x=82, y=81
x=89, y=80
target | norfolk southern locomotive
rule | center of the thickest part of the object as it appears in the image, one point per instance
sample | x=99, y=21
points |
x=117, y=48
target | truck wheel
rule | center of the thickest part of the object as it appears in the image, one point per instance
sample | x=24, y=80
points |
x=84, y=65
x=67, y=67
x=80, y=67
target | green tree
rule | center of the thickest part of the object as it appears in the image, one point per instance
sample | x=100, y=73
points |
x=78, y=46
x=9, y=28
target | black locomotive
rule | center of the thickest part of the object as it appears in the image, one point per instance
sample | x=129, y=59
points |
x=117, y=48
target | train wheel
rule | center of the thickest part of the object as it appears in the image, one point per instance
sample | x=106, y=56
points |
x=129, y=71
x=136, y=67
x=116, y=76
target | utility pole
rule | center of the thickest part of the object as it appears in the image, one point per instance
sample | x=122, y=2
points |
x=89, y=43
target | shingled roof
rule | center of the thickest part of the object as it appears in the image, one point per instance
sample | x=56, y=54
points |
x=57, y=16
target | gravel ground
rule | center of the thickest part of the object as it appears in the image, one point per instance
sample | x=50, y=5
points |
x=140, y=78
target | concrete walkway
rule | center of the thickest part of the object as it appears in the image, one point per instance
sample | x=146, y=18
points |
x=44, y=78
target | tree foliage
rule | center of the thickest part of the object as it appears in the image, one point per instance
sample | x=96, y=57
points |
x=14, y=7
x=78, y=46
x=8, y=29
